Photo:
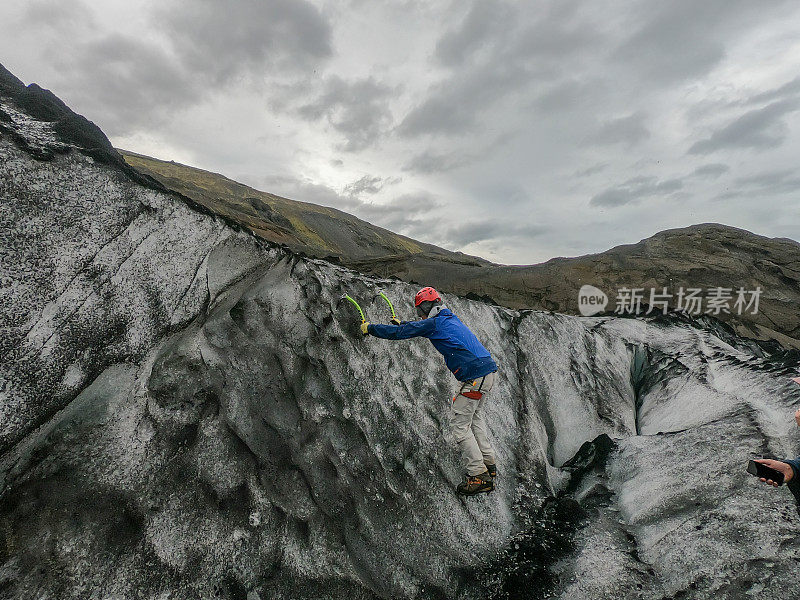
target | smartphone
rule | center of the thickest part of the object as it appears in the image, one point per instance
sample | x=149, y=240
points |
x=762, y=470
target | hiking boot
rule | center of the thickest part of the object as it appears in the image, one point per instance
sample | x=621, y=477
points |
x=492, y=469
x=476, y=485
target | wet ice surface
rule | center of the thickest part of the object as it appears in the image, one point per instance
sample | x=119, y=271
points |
x=185, y=413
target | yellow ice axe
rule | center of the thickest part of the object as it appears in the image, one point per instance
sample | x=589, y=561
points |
x=389, y=302
x=361, y=312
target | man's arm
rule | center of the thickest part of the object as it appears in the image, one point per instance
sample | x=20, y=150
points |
x=404, y=331
x=794, y=482
x=790, y=469
x=795, y=464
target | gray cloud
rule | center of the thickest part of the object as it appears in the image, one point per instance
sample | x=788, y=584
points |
x=519, y=47
x=430, y=162
x=61, y=14
x=501, y=195
x=589, y=171
x=406, y=204
x=556, y=33
x=369, y=185
x=569, y=95
x=757, y=128
x=634, y=190
x=289, y=186
x=712, y=170
x=127, y=83
x=484, y=22
x=222, y=40
x=710, y=107
x=783, y=181
x=792, y=88
x=408, y=214
x=628, y=130
x=366, y=185
x=682, y=38
x=452, y=106
x=479, y=231
x=359, y=110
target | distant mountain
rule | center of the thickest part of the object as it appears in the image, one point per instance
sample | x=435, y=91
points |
x=698, y=257
x=315, y=230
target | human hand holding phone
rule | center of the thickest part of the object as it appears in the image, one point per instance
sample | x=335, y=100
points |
x=771, y=472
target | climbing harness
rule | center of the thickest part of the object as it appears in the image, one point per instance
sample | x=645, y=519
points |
x=471, y=394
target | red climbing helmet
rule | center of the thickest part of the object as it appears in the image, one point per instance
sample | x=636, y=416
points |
x=426, y=293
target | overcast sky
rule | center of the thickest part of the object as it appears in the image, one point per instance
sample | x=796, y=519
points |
x=516, y=131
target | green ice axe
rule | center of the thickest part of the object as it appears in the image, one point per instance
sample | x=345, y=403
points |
x=361, y=312
x=389, y=302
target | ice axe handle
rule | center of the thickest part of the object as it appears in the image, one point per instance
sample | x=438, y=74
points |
x=360, y=312
x=391, y=307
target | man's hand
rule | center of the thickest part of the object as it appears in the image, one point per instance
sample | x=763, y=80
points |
x=797, y=417
x=396, y=321
x=778, y=465
x=364, y=327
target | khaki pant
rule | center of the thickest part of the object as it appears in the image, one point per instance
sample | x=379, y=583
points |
x=468, y=426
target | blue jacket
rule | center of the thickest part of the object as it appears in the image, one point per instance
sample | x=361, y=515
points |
x=463, y=354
